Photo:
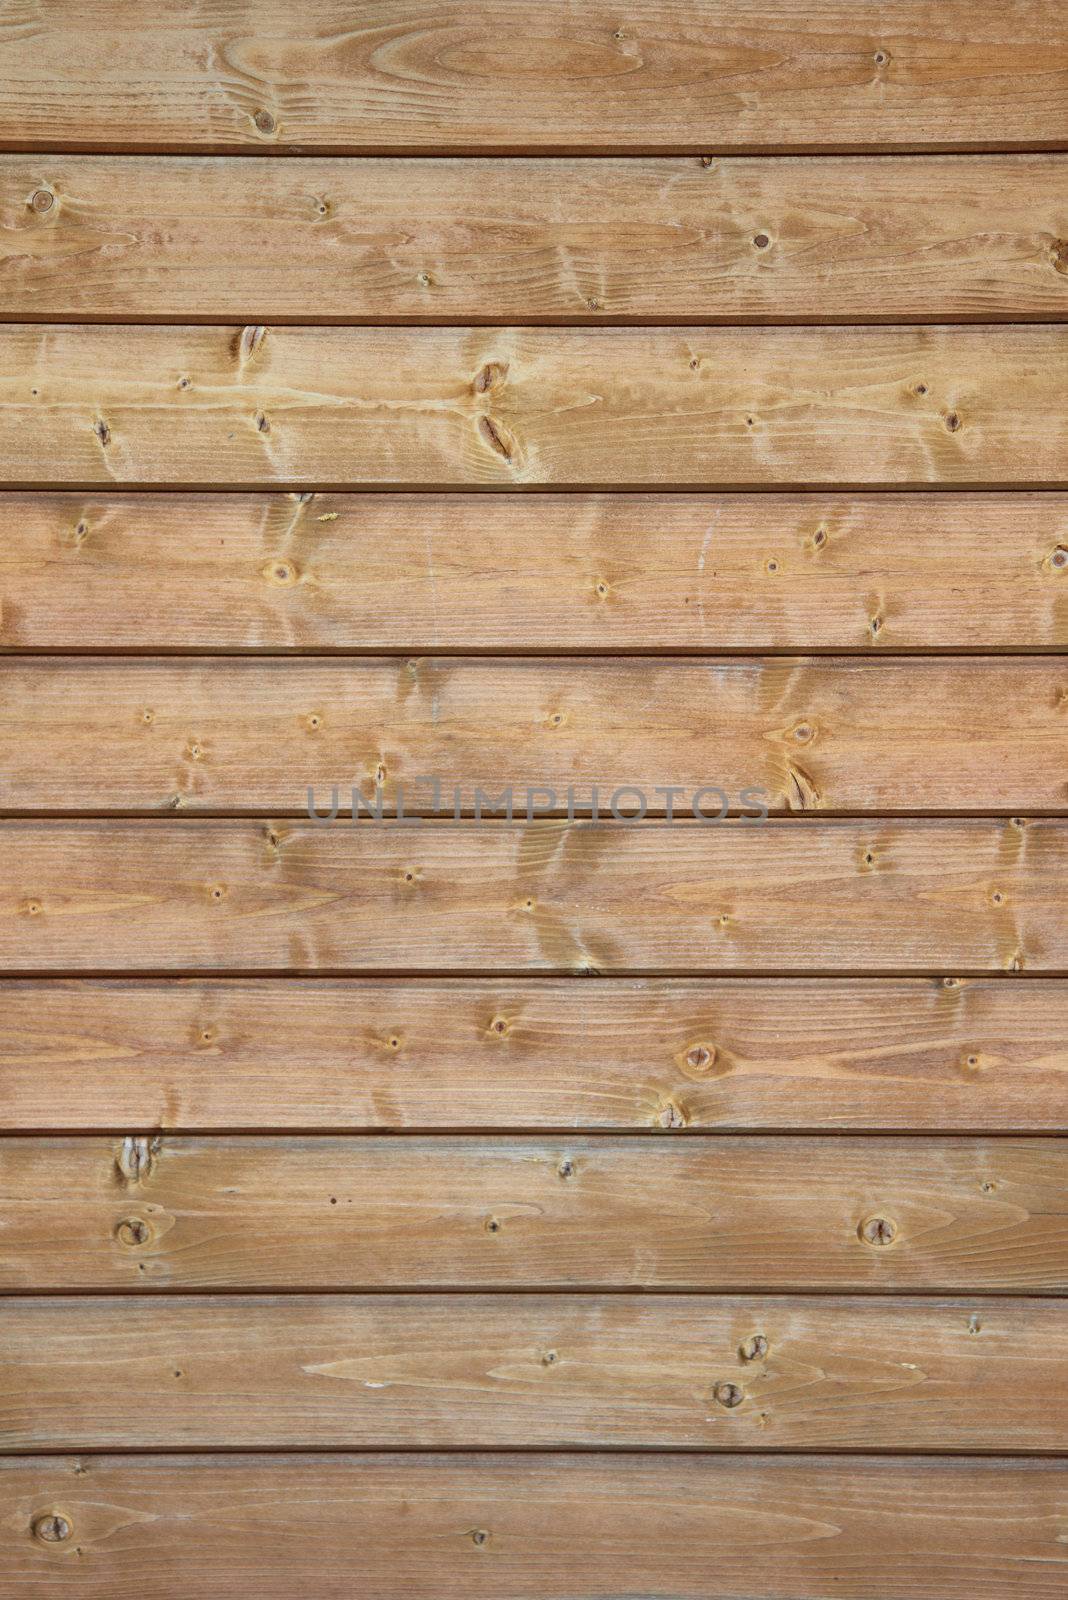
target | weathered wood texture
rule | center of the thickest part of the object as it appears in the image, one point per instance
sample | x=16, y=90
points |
x=824, y=240
x=738, y=1212
x=412, y=74
x=789, y=734
x=597, y=572
x=794, y=895
x=473, y=1371
x=484, y=1528
x=524, y=407
x=479, y=1053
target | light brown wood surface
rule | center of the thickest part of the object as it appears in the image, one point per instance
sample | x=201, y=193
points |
x=794, y=895
x=737, y=1212
x=790, y=734
x=507, y=1371
x=486, y=1053
x=554, y=572
x=526, y=407
x=489, y=1527
x=666, y=240
x=412, y=74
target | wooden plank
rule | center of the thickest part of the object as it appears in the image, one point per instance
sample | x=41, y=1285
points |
x=503, y=1372
x=256, y=1528
x=416, y=572
x=409, y=74
x=668, y=240
x=738, y=1212
x=483, y=1053
x=787, y=735
x=525, y=407
x=795, y=895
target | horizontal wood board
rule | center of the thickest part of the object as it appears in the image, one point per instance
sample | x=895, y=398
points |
x=533, y=407
x=666, y=1055
x=790, y=1214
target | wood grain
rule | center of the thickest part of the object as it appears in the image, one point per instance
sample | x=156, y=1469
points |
x=923, y=239
x=526, y=407
x=788, y=735
x=500, y=1372
x=489, y=1527
x=483, y=1053
x=738, y=1212
x=797, y=895
x=597, y=572
x=409, y=74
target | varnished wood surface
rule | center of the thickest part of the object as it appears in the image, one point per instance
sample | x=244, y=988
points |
x=557, y=572
x=786, y=735
x=739, y=1212
x=532, y=407
x=923, y=239
x=794, y=895
x=505, y=1372
x=909, y=1054
x=508, y=1528
x=410, y=74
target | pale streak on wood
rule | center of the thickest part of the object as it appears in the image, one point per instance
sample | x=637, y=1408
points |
x=483, y=1053
x=790, y=734
x=669, y=240
x=402, y=75
x=532, y=407
x=597, y=572
x=738, y=1213
x=504, y=1372
x=795, y=895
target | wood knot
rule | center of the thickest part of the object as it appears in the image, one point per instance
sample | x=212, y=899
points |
x=264, y=121
x=754, y=1348
x=728, y=1395
x=495, y=436
x=761, y=241
x=1059, y=558
x=102, y=431
x=671, y=1116
x=136, y=1158
x=566, y=1169
x=953, y=422
x=699, y=1060
x=133, y=1231
x=52, y=1528
x=1058, y=255
x=479, y=1537
x=249, y=341
x=41, y=201
x=878, y=1231
x=490, y=376
x=282, y=573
